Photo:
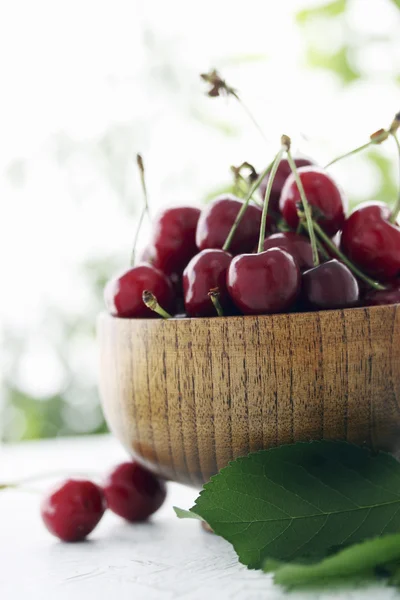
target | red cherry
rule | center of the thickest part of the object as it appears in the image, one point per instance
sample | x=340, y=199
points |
x=123, y=295
x=282, y=174
x=267, y=282
x=73, y=509
x=297, y=245
x=216, y=221
x=372, y=242
x=134, y=493
x=205, y=271
x=174, y=239
x=322, y=194
x=382, y=297
x=330, y=285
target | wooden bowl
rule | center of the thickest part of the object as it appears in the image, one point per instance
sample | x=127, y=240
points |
x=187, y=396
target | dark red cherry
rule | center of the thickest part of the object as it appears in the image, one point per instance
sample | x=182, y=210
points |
x=123, y=295
x=205, y=271
x=297, y=245
x=372, y=242
x=174, y=239
x=72, y=510
x=282, y=174
x=382, y=297
x=330, y=285
x=217, y=219
x=133, y=493
x=322, y=194
x=268, y=282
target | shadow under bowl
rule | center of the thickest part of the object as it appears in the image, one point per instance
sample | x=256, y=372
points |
x=186, y=396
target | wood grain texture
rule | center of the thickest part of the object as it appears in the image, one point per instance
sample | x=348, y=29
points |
x=186, y=396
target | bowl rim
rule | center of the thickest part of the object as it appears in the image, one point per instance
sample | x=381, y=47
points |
x=293, y=315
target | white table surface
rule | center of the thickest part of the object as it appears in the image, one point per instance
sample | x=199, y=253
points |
x=161, y=560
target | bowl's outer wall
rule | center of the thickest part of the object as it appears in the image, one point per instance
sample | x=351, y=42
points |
x=187, y=396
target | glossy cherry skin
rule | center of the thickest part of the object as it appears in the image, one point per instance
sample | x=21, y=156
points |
x=297, y=245
x=382, y=297
x=205, y=271
x=73, y=509
x=263, y=283
x=328, y=286
x=282, y=174
x=133, y=493
x=372, y=242
x=123, y=294
x=173, y=240
x=217, y=219
x=322, y=194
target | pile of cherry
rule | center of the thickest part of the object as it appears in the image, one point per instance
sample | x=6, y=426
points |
x=73, y=509
x=287, y=246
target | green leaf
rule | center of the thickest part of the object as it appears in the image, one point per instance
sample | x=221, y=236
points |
x=302, y=500
x=396, y=3
x=181, y=513
x=331, y=9
x=359, y=559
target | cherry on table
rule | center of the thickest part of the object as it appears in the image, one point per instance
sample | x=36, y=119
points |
x=133, y=493
x=281, y=176
x=297, y=245
x=267, y=282
x=372, y=242
x=173, y=240
x=328, y=286
x=73, y=509
x=383, y=297
x=216, y=221
x=322, y=193
x=123, y=294
x=206, y=270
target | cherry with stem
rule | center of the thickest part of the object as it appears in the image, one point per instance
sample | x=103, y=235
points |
x=145, y=209
x=151, y=302
x=306, y=206
x=269, y=280
x=214, y=297
x=328, y=242
x=244, y=206
x=396, y=209
x=274, y=168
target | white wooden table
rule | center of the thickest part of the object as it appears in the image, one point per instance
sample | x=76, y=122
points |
x=161, y=560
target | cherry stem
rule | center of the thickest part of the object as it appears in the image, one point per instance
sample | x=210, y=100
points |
x=219, y=86
x=150, y=301
x=244, y=206
x=249, y=114
x=321, y=249
x=396, y=209
x=274, y=168
x=145, y=209
x=355, y=151
x=214, y=296
x=238, y=190
x=376, y=138
x=306, y=208
x=238, y=179
x=328, y=242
